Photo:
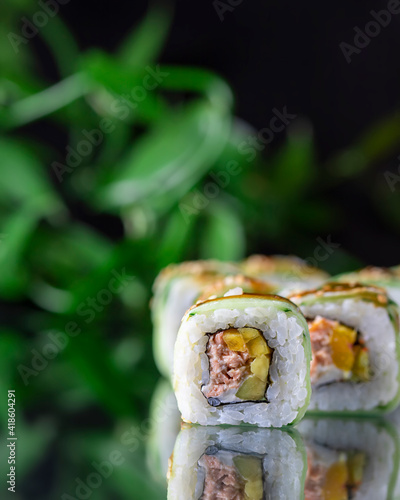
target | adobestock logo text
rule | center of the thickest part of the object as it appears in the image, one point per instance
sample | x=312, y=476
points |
x=30, y=27
x=372, y=29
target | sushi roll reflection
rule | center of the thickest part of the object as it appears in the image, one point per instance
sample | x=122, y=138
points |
x=237, y=463
x=349, y=459
x=165, y=426
x=355, y=352
x=243, y=358
x=394, y=419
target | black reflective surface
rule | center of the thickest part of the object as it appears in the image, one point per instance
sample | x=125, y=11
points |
x=321, y=458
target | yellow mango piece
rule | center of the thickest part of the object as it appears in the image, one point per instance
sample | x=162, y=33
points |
x=254, y=490
x=249, y=333
x=355, y=466
x=258, y=347
x=234, y=340
x=342, y=352
x=335, y=482
x=260, y=367
x=346, y=333
x=361, y=367
x=252, y=389
x=249, y=467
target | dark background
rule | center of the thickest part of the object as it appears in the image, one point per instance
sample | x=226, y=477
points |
x=276, y=55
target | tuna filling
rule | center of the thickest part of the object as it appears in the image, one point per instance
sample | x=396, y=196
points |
x=338, y=353
x=239, y=361
x=232, y=477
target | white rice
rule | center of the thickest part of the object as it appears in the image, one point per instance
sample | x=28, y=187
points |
x=374, y=440
x=289, y=371
x=182, y=294
x=376, y=329
x=283, y=460
x=394, y=293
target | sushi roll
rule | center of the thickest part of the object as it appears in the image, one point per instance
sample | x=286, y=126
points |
x=285, y=272
x=176, y=288
x=388, y=278
x=355, y=351
x=234, y=285
x=237, y=463
x=243, y=358
x=349, y=459
x=394, y=419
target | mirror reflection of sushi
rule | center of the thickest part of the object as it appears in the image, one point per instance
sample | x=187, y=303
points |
x=165, y=421
x=177, y=288
x=355, y=353
x=287, y=272
x=237, y=464
x=388, y=278
x=394, y=419
x=349, y=459
x=243, y=358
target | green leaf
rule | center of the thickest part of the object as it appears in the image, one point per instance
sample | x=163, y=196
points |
x=165, y=163
x=62, y=44
x=89, y=356
x=374, y=144
x=223, y=237
x=134, y=258
x=14, y=87
x=104, y=70
x=293, y=168
x=56, y=260
x=143, y=45
x=201, y=81
x=24, y=185
x=45, y=102
x=113, y=146
x=13, y=242
x=23, y=178
x=176, y=237
x=120, y=83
